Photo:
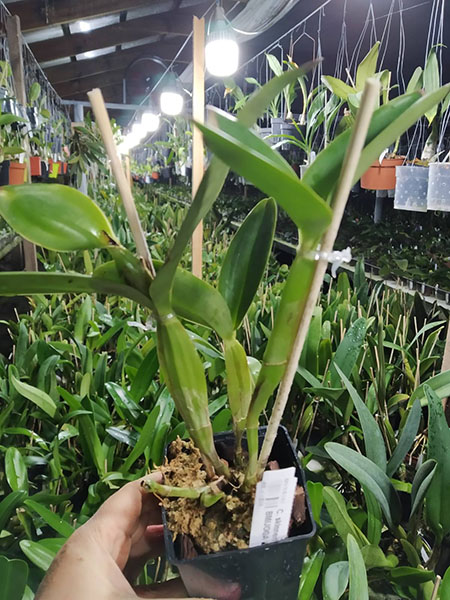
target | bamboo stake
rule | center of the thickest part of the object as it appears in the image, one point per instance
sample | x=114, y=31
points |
x=102, y=119
x=437, y=585
x=198, y=113
x=371, y=92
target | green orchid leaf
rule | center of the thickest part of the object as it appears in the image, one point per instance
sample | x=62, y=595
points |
x=411, y=576
x=445, y=586
x=367, y=67
x=56, y=217
x=370, y=476
x=231, y=126
x=8, y=506
x=358, y=585
x=28, y=284
x=407, y=438
x=197, y=301
x=16, y=470
x=374, y=558
x=52, y=519
x=335, y=503
x=335, y=580
x=374, y=517
x=43, y=552
x=310, y=574
x=9, y=119
x=421, y=483
x=126, y=406
x=35, y=395
x=315, y=492
x=308, y=211
x=14, y=577
x=34, y=93
x=336, y=86
x=416, y=81
x=145, y=439
x=431, y=81
x=373, y=438
x=436, y=502
x=246, y=259
x=440, y=384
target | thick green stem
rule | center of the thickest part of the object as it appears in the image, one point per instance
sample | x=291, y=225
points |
x=278, y=349
x=183, y=373
x=207, y=494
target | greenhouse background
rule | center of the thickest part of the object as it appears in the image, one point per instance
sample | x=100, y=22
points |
x=225, y=269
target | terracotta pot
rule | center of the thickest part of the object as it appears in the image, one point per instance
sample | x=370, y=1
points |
x=16, y=173
x=35, y=166
x=155, y=175
x=381, y=177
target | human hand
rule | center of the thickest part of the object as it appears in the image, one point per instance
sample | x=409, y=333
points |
x=102, y=557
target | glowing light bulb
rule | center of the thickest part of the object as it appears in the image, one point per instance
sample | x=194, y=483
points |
x=222, y=57
x=137, y=131
x=150, y=122
x=171, y=103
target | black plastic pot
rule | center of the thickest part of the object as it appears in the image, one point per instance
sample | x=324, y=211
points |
x=270, y=572
x=4, y=172
x=166, y=173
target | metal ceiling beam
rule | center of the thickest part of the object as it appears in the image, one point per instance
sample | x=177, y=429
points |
x=104, y=37
x=113, y=62
x=110, y=105
x=35, y=14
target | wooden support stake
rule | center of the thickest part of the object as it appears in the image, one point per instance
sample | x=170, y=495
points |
x=198, y=113
x=103, y=123
x=128, y=170
x=363, y=118
x=14, y=36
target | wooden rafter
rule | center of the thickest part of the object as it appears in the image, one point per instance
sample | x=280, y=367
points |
x=113, y=62
x=119, y=33
x=70, y=89
x=35, y=14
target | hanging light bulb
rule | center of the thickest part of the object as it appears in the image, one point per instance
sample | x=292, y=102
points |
x=221, y=50
x=171, y=99
x=137, y=131
x=150, y=121
x=171, y=103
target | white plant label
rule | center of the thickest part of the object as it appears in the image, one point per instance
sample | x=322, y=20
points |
x=273, y=507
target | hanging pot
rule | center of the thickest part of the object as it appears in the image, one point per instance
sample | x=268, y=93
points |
x=381, y=176
x=35, y=166
x=438, y=196
x=261, y=573
x=16, y=173
x=411, y=188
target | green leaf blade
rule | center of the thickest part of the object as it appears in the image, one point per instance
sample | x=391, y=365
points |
x=246, y=259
